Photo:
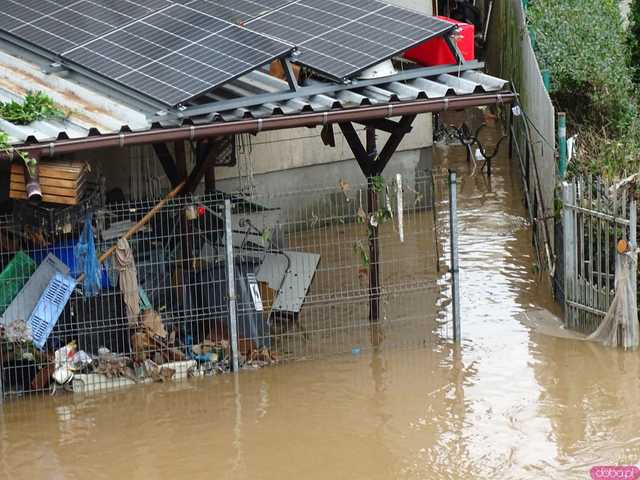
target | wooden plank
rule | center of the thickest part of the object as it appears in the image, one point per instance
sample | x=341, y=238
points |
x=64, y=170
x=46, y=198
x=66, y=165
x=77, y=186
x=65, y=192
x=57, y=166
x=50, y=182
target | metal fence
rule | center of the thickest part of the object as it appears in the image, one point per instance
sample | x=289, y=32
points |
x=511, y=55
x=595, y=217
x=302, y=268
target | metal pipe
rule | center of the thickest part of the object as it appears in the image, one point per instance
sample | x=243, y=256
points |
x=374, y=247
x=231, y=285
x=562, y=144
x=569, y=245
x=455, y=279
x=32, y=181
x=197, y=132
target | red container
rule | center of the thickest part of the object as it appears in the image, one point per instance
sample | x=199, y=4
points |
x=436, y=51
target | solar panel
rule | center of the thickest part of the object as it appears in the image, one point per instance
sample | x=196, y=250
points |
x=341, y=38
x=60, y=25
x=176, y=54
x=175, y=50
x=234, y=11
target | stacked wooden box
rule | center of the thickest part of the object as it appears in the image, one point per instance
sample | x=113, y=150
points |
x=62, y=181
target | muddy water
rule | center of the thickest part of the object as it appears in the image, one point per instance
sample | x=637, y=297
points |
x=509, y=403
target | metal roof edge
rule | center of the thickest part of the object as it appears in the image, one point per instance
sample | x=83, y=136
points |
x=194, y=132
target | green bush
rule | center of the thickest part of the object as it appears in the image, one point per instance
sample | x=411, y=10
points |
x=583, y=45
x=634, y=39
x=36, y=106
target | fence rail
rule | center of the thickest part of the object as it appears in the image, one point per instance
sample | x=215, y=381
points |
x=595, y=217
x=221, y=279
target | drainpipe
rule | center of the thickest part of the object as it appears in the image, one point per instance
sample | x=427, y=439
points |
x=32, y=180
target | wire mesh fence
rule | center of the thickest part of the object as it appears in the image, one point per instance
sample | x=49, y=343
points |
x=315, y=272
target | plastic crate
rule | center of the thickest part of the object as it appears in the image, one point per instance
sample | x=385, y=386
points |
x=13, y=278
x=49, y=308
x=24, y=303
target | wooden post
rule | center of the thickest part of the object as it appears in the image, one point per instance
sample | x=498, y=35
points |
x=181, y=159
x=210, y=179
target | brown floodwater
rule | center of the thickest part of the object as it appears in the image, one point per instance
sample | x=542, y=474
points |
x=510, y=402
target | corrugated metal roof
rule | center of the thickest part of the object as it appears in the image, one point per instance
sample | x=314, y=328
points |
x=92, y=111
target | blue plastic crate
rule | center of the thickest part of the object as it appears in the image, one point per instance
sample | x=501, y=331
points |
x=49, y=308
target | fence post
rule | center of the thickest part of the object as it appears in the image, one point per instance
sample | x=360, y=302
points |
x=562, y=144
x=546, y=79
x=569, y=245
x=231, y=284
x=633, y=223
x=453, y=229
x=1, y=372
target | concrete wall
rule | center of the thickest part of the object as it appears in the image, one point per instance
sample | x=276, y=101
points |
x=302, y=147
x=425, y=6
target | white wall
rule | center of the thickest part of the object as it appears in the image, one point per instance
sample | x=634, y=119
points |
x=424, y=6
x=302, y=147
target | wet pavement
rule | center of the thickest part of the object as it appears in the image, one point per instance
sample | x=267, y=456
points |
x=510, y=402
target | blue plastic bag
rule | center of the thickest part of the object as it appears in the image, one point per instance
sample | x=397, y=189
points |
x=87, y=261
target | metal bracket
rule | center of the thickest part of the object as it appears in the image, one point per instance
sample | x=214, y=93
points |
x=311, y=90
x=290, y=74
x=55, y=68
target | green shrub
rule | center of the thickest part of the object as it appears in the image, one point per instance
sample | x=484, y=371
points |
x=36, y=106
x=583, y=44
x=633, y=39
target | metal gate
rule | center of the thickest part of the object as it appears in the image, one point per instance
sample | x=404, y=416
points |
x=596, y=215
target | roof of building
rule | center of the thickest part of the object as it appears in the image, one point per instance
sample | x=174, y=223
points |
x=92, y=110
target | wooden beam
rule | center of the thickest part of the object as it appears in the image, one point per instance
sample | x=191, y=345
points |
x=166, y=160
x=204, y=161
x=392, y=144
x=181, y=159
x=386, y=125
x=358, y=150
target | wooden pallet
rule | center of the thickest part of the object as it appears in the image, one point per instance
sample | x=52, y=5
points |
x=62, y=181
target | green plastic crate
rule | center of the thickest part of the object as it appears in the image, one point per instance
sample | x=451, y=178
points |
x=13, y=278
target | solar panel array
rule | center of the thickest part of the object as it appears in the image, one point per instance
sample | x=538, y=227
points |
x=60, y=25
x=175, y=50
x=171, y=51
x=177, y=53
x=342, y=38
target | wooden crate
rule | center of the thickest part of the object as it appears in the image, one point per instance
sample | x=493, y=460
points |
x=62, y=181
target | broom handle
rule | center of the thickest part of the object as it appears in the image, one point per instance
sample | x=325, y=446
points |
x=143, y=221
